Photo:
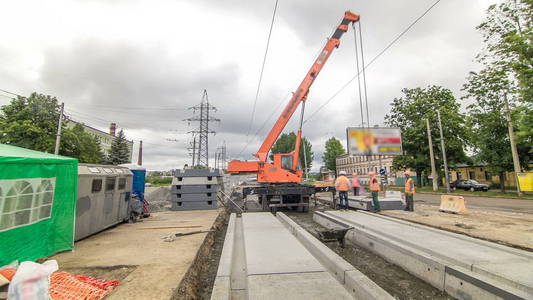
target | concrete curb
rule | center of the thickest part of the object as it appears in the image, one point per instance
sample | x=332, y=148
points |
x=221, y=287
x=355, y=282
x=478, y=241
x=455, y=277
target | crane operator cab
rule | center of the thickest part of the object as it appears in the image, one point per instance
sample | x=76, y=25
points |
x=286, y=161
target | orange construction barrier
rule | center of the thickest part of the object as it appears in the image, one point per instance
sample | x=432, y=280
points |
x=65, y=286
x=452, y=204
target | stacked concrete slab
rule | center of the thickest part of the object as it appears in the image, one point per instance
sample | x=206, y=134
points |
x=195, y=189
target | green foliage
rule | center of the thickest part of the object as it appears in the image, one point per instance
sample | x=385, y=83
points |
x=30, y=122
x=409, y=113
x=159, y=180
x=333, y=148
x=488, y=89
x=508, y=32
x=120, y=152
x=76, y=142
x=286, y=143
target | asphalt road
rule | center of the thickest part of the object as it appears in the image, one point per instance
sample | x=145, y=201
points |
x=485, y=203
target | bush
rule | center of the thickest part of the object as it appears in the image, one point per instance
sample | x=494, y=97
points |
x=159, y=180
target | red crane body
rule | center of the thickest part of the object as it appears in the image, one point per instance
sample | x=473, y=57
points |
x=285, y=166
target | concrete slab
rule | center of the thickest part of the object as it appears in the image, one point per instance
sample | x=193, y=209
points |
x=224, y=264
x=221, y=288
x=315, y=285
x=197, y=172
x=193, y=197
x=271, y=249
x=194, y=180
x=354, y=281
x=511, y=267
x=335, y=264
x=194, y=188
x=160, y=265
x=193, y=205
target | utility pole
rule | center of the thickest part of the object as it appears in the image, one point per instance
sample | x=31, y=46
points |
x=432, y=157
x=140, y=157
x=444, y=155
x=59, y=125
x=516, y=160
x=202, y=154
x=223, y=154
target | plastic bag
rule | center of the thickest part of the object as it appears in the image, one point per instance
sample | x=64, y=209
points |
x=32, y=281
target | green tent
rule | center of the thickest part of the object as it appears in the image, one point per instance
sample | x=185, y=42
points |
x=37, y=203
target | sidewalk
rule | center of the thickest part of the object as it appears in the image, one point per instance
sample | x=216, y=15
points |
x=148, y=267
x=507, y=228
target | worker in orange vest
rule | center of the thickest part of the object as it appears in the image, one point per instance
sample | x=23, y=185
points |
x=342, y=184
x=356, y=185
x=374, y=188
x=409, y=192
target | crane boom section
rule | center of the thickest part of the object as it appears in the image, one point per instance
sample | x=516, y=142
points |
x=303, y=89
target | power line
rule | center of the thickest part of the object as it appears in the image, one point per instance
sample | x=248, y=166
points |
x=264, y=123
x=262, y=68
x=14, y=94
x=374, y=59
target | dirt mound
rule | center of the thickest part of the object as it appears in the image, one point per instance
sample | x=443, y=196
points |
x=159, y=199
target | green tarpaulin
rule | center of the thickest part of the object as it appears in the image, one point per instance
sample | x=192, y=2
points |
x=37, y=203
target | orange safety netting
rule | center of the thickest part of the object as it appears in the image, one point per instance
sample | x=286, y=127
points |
x=65, y=286
x=8, y=273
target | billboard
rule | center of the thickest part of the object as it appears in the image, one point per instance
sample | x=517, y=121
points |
x=374, y=141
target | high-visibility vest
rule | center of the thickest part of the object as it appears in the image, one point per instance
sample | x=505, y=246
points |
x=409, y=186
x=342, y=183
x=374, y=184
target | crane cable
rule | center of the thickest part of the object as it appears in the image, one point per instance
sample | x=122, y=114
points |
x=373, y=59
x=364, y=73
x=262, y=69
x=358, y=78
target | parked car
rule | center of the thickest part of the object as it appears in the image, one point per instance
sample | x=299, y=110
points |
x=469, y=185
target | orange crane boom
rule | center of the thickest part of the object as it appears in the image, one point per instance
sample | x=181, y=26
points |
x=285, y=166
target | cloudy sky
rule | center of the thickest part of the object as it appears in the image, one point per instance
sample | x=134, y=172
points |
x=141, y=64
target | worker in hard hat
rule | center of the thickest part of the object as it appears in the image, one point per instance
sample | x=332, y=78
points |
x=356, y=185
x=374, y=188
x=342, y=184
x=409, y=191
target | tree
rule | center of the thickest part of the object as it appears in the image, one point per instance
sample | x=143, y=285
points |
x=334, y=148
x=286, y=143
x=506, y=76
x=507, y=32
x=30, y=122
x=488, y=89
x=409, y=113
x=77, y=143
x=120, y=152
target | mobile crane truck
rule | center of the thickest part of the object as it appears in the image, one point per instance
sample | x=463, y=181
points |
x=280, y=179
